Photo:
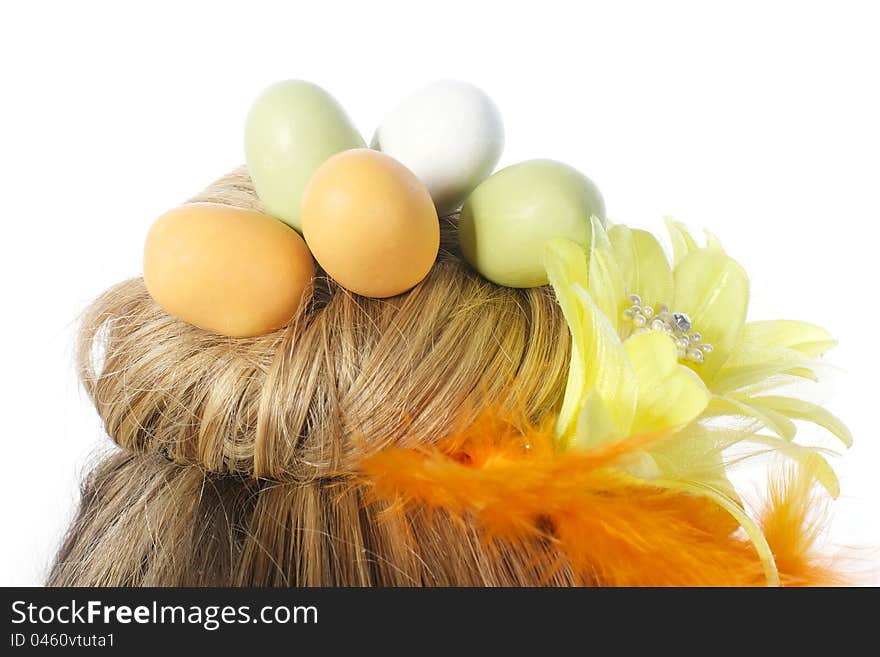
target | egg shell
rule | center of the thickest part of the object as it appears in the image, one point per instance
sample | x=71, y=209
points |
x=507, y=220
x=370, y=223
x=450, y=134
x=235, y=272
x=291, y=129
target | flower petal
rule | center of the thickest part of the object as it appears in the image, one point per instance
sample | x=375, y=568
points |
x=669, y=395
x=696, y=454
x=682, y=242
x=607, y=369
x=712, y=241
x=643, y=263
x=606, y=284
x=790, y=334
x=749, y=365
x=566, y=265
x=598, y=359
x=775, y=422
x=799, y=409
x=713, y=289
x=595, y=425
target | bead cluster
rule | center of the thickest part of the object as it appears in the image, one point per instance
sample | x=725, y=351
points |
x=690, y=344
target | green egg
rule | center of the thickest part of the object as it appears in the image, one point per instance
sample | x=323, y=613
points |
x=511, y=215
x=291, y=129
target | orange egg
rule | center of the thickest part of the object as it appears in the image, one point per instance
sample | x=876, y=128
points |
x=370, y=223
x=231, y=271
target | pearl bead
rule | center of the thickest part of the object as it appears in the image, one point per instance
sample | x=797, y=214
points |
x=695, y=355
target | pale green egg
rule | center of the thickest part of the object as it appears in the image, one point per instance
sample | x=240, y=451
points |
x=507, y=220
x=292, y=128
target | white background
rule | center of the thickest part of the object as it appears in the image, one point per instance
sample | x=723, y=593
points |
x=758, y=120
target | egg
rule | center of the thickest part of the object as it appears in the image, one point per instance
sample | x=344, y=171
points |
x=291, y=129
x=234, y=272
x=370, y=223
x=449, y=134
x=507, y=220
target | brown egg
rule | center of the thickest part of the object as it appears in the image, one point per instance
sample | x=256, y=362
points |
x=231, y=271
x=370, y=223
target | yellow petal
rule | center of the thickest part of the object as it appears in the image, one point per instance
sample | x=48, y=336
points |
x=712, y=241
x=713, y=289
x=682, y=242
x=790, y=334
x=598, y=360
x=595, y=425
x=775, y=422
x=607, y=370
x=803, y=410
x=750, y=365
x=641, y=465
x=643, y=263
x=804, y=373
x=566, y=265
x=669, y=395
x=696, y=454
x=606, y=284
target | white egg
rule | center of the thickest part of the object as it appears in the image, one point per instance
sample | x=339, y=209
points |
x=449, y=134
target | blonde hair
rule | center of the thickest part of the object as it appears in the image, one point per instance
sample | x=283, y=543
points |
x=239, y=456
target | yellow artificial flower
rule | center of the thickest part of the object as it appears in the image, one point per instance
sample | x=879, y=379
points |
x=659, y=347
x=762, y=355
x=615, y=388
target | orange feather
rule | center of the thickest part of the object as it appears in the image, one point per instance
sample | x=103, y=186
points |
x=514, y=484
